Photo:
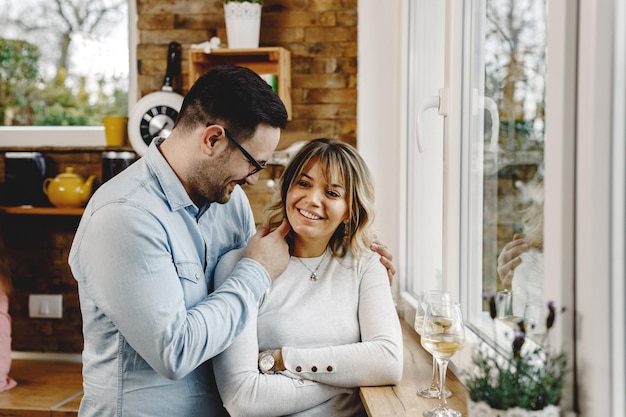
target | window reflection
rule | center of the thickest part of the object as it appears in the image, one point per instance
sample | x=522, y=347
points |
x=510, y=68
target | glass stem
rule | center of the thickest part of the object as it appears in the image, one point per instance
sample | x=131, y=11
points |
x=443, y=367
x=435, y=379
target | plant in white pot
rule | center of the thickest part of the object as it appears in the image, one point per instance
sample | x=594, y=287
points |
x=243, y=23
x=525, y=384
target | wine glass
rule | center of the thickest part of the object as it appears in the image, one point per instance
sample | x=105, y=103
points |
x=535, y=314
x=443, y=334
x=424, y=297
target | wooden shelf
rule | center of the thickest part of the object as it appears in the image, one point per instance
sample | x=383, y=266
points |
x=45, y=211
x=265, y=60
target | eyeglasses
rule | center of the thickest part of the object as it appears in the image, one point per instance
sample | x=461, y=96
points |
x=257, y=165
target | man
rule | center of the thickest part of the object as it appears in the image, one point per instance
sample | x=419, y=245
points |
x=146, y=249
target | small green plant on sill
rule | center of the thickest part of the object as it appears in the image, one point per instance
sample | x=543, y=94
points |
x=530, y=381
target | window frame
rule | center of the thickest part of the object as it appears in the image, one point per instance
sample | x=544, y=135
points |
x=75, y=136
x=376, y=57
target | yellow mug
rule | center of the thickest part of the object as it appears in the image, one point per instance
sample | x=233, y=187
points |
x=115, y=130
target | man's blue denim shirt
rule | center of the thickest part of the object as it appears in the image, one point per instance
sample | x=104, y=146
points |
x=144, y=257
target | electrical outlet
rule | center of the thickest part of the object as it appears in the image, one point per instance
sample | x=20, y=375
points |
x=49, y=306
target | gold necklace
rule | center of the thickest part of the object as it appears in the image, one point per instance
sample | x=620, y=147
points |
x=314, y=276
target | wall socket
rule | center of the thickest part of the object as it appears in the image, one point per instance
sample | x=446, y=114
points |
x=48, y=306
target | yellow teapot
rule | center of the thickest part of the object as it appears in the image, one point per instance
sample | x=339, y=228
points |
x=68, y=189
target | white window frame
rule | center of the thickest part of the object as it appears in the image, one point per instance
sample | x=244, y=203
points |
x=618, y=217
x=583, y=88
x=599, y=283
x=74, y=136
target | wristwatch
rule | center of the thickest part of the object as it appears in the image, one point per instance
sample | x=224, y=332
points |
x=267, y=362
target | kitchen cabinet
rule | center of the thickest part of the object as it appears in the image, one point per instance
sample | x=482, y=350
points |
x=274, y=60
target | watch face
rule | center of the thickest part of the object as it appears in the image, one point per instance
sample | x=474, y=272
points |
x=266, y=363
x=157, y=121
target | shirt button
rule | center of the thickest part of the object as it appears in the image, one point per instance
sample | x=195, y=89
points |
x=314, y=369
x=329, y=368
x=301, y=381
x=197, y=277
x=298, y=368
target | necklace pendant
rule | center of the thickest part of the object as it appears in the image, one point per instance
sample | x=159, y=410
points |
x=313, y=276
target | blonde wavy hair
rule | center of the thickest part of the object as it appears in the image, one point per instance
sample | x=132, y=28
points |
x=339, y=162
x=533, y=215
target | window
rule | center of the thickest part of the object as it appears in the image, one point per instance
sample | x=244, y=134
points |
x=583, y=178
x=478, y=104
x=502, y=156
x=94, y=69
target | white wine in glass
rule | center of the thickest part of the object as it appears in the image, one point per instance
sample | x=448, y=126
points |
x=535, y=314
x=444, y=346
x=431, y=391
x=443, y=335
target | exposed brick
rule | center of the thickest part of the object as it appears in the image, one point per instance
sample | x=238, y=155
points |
x=334, y=95
x=147, y=21
x=321, y=49
x=334, y=34
x=347, y=17
x=200, y=22
x=279, y=36
x=319, y=5
x=298, y=19
x=179, y=6
x=319, y=81
x=324, y=111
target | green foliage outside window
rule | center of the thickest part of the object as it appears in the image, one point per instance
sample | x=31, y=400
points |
x=18, y=81
x=28, y=100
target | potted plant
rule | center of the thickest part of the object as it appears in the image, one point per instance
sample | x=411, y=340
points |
x=243, y=23
x=526, y=383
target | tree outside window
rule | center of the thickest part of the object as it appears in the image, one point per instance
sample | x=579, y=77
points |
x=63, y=62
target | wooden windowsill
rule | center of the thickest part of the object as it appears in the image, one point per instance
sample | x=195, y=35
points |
x=401, y=399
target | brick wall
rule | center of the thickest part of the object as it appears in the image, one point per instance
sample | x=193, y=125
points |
x=37, y=248
x=320, y=34
x=322, y=38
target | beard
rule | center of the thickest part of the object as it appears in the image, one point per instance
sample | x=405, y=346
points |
x=208, y=181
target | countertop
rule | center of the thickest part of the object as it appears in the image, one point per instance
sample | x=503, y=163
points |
x=44, y=388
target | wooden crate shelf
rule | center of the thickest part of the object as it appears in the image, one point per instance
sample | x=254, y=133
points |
x=265, y=60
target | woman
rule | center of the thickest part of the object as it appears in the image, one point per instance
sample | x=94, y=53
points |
x=520, y=263
x=6, y=382
x=527, y=284
x=328, y=324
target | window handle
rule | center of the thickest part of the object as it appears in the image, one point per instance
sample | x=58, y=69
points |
x=431, y=102
x=488, y=104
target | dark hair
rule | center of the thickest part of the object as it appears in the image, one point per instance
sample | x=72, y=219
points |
x=338, y=160
x=234, y=96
